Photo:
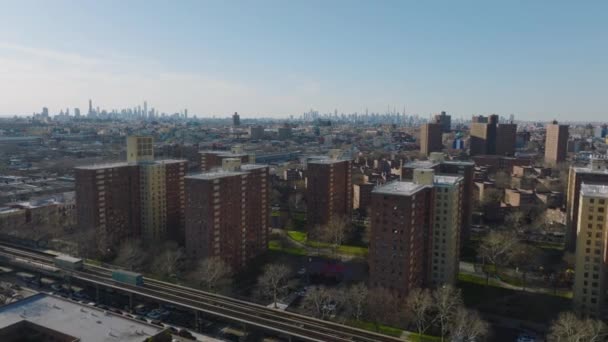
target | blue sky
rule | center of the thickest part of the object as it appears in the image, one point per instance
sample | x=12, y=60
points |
x=535, y=59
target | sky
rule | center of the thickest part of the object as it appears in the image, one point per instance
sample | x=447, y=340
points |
x=538, y=60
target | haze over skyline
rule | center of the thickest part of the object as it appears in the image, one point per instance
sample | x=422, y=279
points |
x=535, y=59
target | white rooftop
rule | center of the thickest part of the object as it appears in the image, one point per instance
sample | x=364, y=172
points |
x=215, y=174
x=594, y=190
x=446, y=179
x=399, y=188
x=81, y=321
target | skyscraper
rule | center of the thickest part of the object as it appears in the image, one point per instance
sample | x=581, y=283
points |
x=236, y=119
x=430, y=138
x=591, y=251
x=556, y=143
x=90, y=113
x=328, y=190
x=227, y=213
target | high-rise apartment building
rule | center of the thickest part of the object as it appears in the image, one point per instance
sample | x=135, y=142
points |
x=415, y=232
x=556, y=143
x=141, y=198
x=227, y=213
x=487, y=136
x=328, y=190
x=445, y=121
x=107, y=201
x=594, y=173
x=506, y=136
x=591, y=251
x=464, y=169
x=430, y=138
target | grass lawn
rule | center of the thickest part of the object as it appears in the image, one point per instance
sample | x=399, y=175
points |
x=392, y=331
x=302, y=237
x=353, y=250
x=297, y=235
x=382, y=329
x=473, y=279
x=275, y=245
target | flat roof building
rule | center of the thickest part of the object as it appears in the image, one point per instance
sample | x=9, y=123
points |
x=47, y=318
x=227, y=213
x=328, y=190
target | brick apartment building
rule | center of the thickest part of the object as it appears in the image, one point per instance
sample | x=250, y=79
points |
x=328, y=190
x=141, y=198
x=415, y=232
x=594, y=173
x=227, y=213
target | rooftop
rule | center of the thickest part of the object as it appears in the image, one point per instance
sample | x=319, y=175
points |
x=399, y=188
x=594, y=190
x=215, y=174
x=81, y=321
x=226, y=153
x=247, y=167
x=421, y=164
x=326, y=161
x=446, y=179
x=103, y=166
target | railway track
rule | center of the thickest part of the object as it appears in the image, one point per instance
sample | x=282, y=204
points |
x=282, y=322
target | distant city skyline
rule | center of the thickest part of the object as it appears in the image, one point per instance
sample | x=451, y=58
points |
x=538, y=60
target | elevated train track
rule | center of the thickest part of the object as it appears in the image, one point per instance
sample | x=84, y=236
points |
x=283, y=323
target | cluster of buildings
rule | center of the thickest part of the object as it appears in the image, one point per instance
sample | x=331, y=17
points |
x=220, y=211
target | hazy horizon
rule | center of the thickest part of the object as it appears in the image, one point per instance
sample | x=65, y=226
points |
x=538, y=60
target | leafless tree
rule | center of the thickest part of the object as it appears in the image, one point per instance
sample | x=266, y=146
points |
x=525, y=257
x=447, y=300
x=356, y=300
x=569, y=328
x=420, y=305
x=131, y=255
x=336, y=231
x=515, y=219
x=274, y=281
x=321, y=301
x=213, y=274
x=468, y=326
x=496, y=246
x=166, y=264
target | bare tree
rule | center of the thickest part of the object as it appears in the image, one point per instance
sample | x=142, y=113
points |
x=213, y=274
x=447, y=300
x=525, y=257
x=568, y=327
x=335, y=231
x=321, y=301
x=356, y=297
x=167, y=263
x=420, y=305
x=515, y=219
x=496, y=246
x=131, y=255
x=468, y=326
x=274, y=281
